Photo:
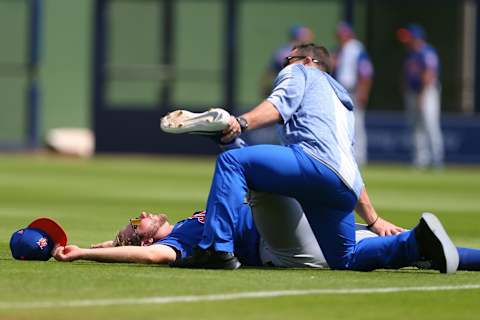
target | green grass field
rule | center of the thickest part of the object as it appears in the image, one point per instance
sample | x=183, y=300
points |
x=93, y=198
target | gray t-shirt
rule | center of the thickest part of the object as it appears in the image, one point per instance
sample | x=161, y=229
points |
x=317, y=115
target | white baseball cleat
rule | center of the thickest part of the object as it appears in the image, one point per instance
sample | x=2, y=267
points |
x=210, y=122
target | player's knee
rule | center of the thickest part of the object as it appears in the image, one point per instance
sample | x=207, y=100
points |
x=339, y=263
x=346, y=262
x=228, y=159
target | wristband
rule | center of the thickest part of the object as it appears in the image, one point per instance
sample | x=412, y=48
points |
x=372, y=224
x=243, y=123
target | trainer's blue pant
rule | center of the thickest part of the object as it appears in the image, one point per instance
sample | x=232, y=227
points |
x=328, y=204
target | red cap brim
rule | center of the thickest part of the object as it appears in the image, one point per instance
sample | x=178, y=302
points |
x=52, y=228
x=403, y=35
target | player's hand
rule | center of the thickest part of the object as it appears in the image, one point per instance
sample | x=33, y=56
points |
x=385, y=228
x=232, y=131
x=67, y=253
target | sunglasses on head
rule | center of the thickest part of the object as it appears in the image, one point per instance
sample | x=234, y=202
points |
x=291, y=59
x=135, y=222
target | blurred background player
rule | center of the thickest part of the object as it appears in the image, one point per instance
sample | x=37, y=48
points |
x=298, y=34
x=354, y=70
x=422, y=96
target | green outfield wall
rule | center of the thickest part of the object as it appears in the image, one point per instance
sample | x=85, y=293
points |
x=65, y=70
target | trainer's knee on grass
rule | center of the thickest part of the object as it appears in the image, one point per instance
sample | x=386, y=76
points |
x=348, y=261
x=339, y=263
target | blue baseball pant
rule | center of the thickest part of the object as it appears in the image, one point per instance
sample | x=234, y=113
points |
x=328, y=204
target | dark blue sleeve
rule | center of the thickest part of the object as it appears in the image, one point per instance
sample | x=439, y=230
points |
x=185, y=236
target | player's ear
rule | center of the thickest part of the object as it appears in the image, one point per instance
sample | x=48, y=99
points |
x=307, y=60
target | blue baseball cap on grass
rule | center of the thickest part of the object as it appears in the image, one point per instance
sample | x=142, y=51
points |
x=36, y=241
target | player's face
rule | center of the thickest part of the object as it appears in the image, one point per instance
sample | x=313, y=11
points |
x=142, y=230
x=147, y=224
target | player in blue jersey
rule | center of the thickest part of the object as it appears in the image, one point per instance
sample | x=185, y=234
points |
x=354, y=71
x=150, y=238
x=315, y=166
x=287, y=240
x=422, y=97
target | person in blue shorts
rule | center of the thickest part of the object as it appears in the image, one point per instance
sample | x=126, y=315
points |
x=316, y=166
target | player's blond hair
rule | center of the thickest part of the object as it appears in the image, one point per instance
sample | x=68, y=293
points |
x=124, y=238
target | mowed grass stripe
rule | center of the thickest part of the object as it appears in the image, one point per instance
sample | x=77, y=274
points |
x=227, y=296
x=93, y=199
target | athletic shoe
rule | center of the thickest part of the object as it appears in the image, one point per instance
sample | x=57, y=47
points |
x=208, y=259
x=435, y=245
x=211, y=122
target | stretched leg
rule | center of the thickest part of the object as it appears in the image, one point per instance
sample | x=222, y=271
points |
x=288, y=239
x=469, y=259
x=235, y=171
x=328, y=204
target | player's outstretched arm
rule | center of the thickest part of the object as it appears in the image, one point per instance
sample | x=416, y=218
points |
x=375, y=223
x=160, y=254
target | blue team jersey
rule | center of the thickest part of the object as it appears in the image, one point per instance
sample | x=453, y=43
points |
x=187, y=233
x=416, y=63
x=317, y=115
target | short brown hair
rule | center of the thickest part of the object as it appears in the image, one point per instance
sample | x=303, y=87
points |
x=319, y=53
x=128, y=235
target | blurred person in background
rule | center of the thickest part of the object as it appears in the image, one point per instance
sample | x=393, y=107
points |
x=354, y=70
x=297, y=34
x=422, y=97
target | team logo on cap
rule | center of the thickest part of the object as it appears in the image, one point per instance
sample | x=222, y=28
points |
x=42, y=243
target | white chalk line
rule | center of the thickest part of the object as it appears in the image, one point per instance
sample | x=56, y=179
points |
x=222, y=297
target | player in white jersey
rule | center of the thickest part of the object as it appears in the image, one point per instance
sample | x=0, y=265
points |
x=354, y=70
x=316, y=167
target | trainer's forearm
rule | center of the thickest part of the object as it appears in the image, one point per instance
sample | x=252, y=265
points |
x=262, y=115
x=151, y=254
x=365, y=209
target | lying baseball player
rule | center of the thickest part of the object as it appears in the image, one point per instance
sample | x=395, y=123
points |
x=289, y=241
x=271, y=231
